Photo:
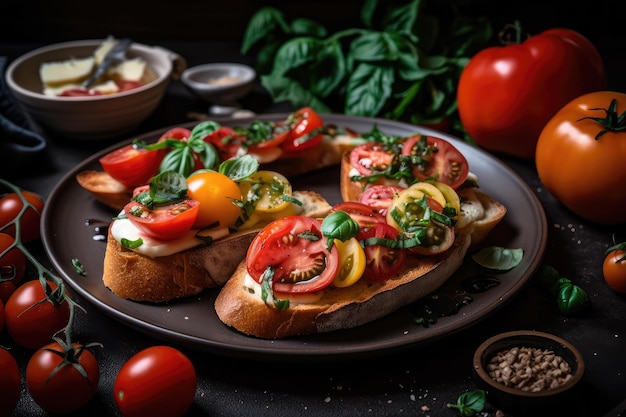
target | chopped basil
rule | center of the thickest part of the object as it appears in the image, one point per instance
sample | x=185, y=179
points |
x=78, y=267
x=131, y=244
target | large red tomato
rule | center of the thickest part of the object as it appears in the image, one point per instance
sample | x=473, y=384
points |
x=581, y=153
x=506, y=94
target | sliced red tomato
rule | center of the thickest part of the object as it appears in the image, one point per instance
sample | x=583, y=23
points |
x=165, y=223
x=296, y=250
x=130, y=165
x=364, y=215
x=442, y=161
x=379, y=196
x=264, y=135
x=370, y=157
x=382, y=261
x=304, y=134
x=226, y=140
x=125, y=85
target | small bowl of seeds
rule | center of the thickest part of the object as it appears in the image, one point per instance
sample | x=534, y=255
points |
x=527, y=371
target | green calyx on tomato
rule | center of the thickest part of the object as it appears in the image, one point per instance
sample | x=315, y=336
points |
x=612, y=122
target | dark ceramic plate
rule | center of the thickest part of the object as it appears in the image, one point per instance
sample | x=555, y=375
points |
x=192, y=322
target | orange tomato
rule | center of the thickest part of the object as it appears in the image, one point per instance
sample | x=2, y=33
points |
x=581, y=153
x=217, y=195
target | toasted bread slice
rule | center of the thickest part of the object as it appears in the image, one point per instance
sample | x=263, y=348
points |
x=105, y=188
x=131, y=275
x=238, y=306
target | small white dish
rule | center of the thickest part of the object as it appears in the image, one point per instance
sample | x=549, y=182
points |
x=220, y=84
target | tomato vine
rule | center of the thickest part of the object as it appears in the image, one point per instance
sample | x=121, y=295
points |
x=57, y=295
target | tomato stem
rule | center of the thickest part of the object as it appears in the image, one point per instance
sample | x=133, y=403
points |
x=612, y=122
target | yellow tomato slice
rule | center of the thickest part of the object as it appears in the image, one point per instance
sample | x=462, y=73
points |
x=452, y=198
x=352, y=261
x=265, y=191
x=431, y=191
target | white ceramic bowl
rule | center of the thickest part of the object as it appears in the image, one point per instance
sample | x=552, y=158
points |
x=221, y=84
x=96, y=117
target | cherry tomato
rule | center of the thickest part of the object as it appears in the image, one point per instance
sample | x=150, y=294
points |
x=62, y=389
x=443, y=162
x=262, y=135
x=217, y=195
x=10, y=207
x=370, y=156
x=10, y=383
x=352, y=261
x=6, y=289
x=379, y=196
x=573, y=141
x=12, y=263
x=33, y=316
x=226, y=141
x=265, y=190
x=305, y=125
x=382, y=262
x=132, y=166
x=165, y=223
x=157, y=381
x=364, y=215
x=614, y=270
x=501, y=94
x=301, y=263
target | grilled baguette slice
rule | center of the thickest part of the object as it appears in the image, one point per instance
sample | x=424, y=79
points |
x=339, y=308
x=131, y=275
x=240, y=306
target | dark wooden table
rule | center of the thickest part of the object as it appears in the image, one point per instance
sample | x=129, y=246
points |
x=415, y=382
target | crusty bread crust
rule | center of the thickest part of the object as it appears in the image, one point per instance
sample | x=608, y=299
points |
x=136, y=277
x=131, y=275
x=339, y=308
x=105, y=188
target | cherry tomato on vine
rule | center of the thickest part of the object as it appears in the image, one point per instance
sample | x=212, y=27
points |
x=10, y=207
x=587, y=134
x=62, y=389
x=10, y=383
x=506, y=94
x=614, y=270
x=157, y=381
x=12, y=263
x=33, y=314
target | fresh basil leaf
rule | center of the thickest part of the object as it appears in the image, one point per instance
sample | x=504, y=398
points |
x=238, y=169
x=496, y=257
x=368, y=89
x=285, y=89
x=571, y=298
x=263, y=24
x=339, y=225
x=168, y=187
x=308, y=27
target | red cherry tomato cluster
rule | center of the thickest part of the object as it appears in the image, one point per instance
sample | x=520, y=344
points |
x=62, y=376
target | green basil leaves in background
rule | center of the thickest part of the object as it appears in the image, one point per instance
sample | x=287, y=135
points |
x=402, y=66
